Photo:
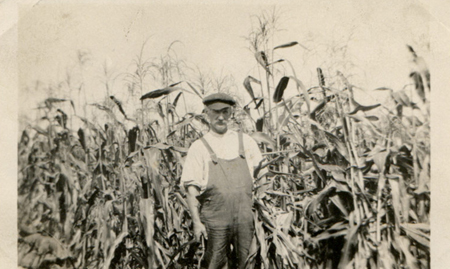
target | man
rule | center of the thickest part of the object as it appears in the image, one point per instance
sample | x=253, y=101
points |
x=217, y=175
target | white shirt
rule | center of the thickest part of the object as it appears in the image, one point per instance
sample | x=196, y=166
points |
x=225, y=146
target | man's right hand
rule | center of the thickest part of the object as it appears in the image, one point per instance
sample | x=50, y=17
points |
x=199, y=230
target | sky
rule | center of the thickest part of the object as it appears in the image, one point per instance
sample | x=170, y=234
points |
x=211, y=37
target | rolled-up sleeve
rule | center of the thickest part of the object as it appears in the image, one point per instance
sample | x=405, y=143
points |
x=193, y=168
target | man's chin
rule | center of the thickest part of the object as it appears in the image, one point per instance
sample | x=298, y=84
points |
x=220, y=129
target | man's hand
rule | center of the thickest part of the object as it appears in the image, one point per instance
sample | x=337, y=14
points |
x=199, y=230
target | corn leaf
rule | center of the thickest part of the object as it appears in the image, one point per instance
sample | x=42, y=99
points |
x=175, y=101
x=351, y=240
x=119, y=105
x=417, y=235
x=304, y=91
x=195, y=91
x=336, y=230
x=263, y=138
x=287, y=45
x=248, y=86
x=160, y=92
x=359, y=107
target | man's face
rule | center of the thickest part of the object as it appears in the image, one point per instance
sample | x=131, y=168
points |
x=218, y=119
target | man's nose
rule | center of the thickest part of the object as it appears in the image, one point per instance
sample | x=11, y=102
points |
x=221, y=117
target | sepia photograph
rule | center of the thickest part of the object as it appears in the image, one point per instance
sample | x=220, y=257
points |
x=223, y=134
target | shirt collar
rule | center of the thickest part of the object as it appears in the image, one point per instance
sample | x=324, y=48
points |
x=227, y=133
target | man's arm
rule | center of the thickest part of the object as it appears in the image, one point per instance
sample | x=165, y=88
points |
x=191, y=180
x=193, y=204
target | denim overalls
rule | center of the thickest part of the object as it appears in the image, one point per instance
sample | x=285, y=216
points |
x=226, y=210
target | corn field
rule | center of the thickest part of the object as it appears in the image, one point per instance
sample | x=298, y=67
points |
x=347, y=185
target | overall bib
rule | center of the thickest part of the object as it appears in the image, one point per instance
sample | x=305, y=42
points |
x=226, y=210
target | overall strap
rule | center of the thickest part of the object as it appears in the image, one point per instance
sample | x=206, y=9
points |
x=211, y=152
x=241, y=145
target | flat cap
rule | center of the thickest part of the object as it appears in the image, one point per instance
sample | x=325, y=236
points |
x=219, y=100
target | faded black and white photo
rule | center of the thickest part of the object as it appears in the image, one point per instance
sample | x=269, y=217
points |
x=224, y=135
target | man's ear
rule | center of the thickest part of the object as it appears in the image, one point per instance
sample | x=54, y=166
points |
x=204, y=116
